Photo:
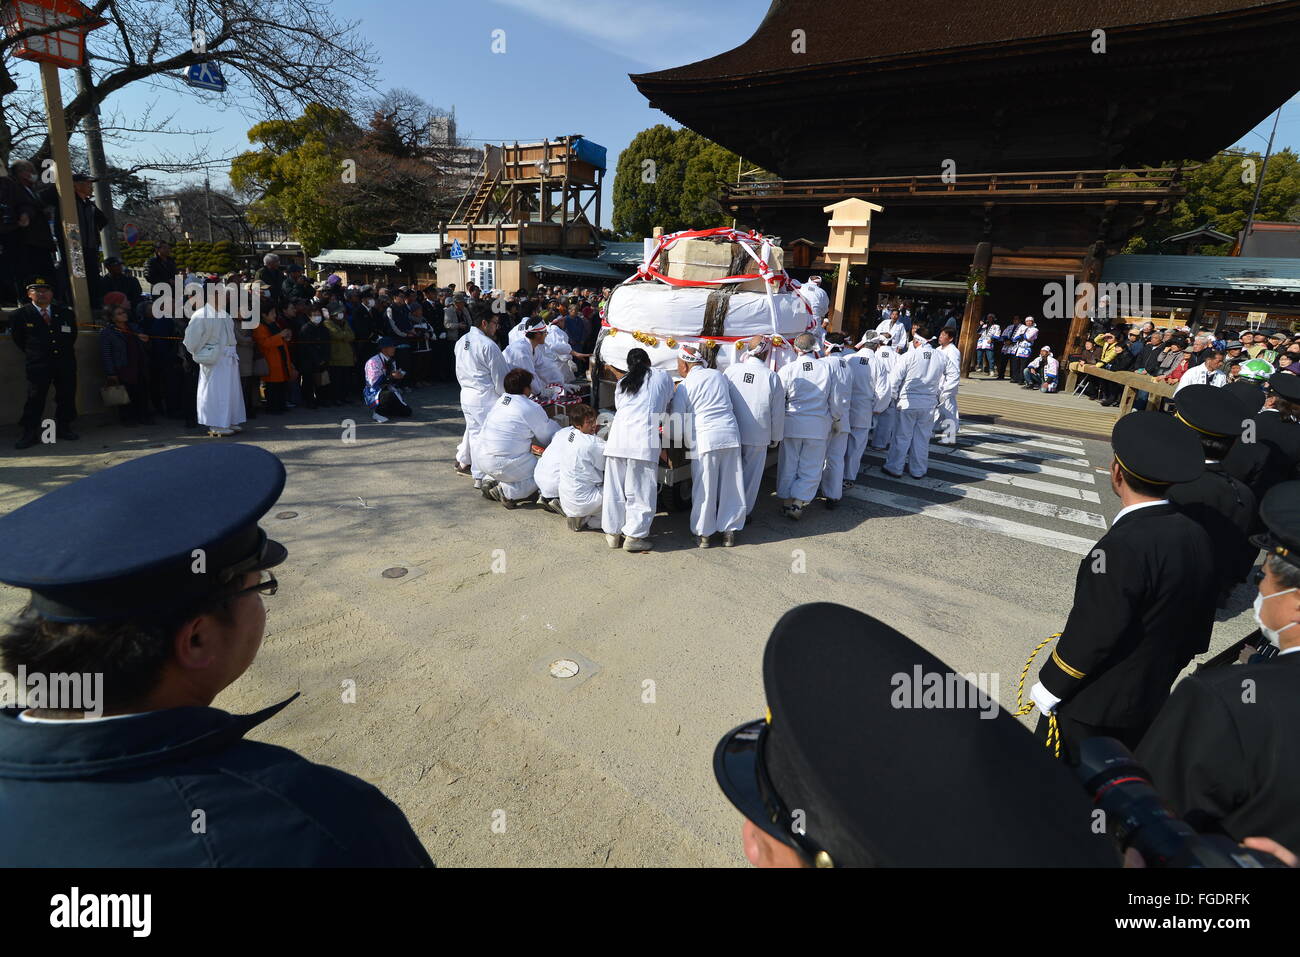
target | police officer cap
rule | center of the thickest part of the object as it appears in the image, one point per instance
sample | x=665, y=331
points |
x=1210, y=410
x=122, y=543
x=1157, y=448
x=1286, y=385
x=39, y=284
x=881, y=777
x=1280, y=513
x=1248, y=393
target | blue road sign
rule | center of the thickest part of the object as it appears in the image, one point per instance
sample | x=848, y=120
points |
x=206, y=76
x=456, y=251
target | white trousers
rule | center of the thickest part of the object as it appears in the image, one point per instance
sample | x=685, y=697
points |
x=474, y=416
x=514, y=472
x=717, y=492
x=853, y=453
x=833, y=471
x=886, y=425
x=944, y=413
x=588, y=506
x=752, y=460
x=799, y=468
x=630, y=489
x=911, y=442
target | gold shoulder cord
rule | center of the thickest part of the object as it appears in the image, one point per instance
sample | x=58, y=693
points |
x=1053, y=733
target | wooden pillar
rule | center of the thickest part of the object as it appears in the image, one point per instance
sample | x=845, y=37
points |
x=564, y=195
x=970, y=320
x=1089, y=275
x=1198, y=310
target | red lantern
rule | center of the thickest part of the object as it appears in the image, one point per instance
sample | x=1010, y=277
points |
x=62, y=47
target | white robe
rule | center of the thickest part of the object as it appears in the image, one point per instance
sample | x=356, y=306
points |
x=220, y=398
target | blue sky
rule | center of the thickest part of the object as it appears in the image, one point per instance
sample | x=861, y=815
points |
x=564, y=70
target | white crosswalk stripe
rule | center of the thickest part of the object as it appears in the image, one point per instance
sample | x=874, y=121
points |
x=1017, y=481
x=1046, y=456
x=1006, y=430
x=1020, y=465
x=957, y=487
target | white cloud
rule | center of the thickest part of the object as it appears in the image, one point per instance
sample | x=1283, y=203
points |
x=654, y=33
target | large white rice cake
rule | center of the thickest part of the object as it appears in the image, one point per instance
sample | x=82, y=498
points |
x=668, y=311
x=614, y=350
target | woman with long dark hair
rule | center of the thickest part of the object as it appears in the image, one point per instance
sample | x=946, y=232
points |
x=632, y=453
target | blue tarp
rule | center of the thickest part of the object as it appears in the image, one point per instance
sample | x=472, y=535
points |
x=590, y=152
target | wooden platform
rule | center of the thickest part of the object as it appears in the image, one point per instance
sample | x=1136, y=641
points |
x=1004, y=403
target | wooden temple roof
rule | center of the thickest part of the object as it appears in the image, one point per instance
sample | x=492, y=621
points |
x=893, y=88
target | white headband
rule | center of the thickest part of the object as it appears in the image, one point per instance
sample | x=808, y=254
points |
x=689, y=356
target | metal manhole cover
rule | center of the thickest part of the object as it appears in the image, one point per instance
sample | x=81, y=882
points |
x=397, y=571
x=286, y=515
x=563, y=668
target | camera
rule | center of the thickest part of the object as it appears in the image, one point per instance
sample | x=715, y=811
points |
x=1137, y=817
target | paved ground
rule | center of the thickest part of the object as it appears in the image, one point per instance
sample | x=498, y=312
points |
x=456, y=716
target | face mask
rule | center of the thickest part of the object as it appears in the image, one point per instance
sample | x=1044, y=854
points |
x=1273, y=636
x=370, y=304
x=316, y=320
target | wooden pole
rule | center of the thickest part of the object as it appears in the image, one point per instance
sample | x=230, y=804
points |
x=841, y=293
x=76, y=264
x=970, y=320
x=1089, y=274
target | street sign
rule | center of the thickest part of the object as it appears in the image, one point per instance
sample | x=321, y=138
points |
x=457, y=251
x=206, y=76
x=131, y=234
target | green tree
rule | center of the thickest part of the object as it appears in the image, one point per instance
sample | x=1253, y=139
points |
x=1219, y=194
x=296, y=173
x=671, y=178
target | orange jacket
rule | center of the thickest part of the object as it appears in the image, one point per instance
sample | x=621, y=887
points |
x=276, y=352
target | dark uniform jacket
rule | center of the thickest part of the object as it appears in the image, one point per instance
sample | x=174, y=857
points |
x=126, y=284
x=1225, y=750
x=1225, y=508
x=1273, y=457
x=1138, y=619
x=125, y=792
x=47, y=346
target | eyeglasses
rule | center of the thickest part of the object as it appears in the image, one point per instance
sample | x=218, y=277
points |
x=268, y=587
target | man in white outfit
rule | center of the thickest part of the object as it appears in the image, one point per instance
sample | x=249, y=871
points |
x=481, y=371
x=505, y=442
x=210, y=340
x=632, y=453
x=915, y=383
x=842, y=402
x=946, y=420
x=559, y=347
x=758, y=400
x=862, y=407
x=521, y=354
x=894, y=330
x=816, y=297
x=885, y=421
x=808, y=383
x=546, y=474
x=703, y=400
x=582, y=469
